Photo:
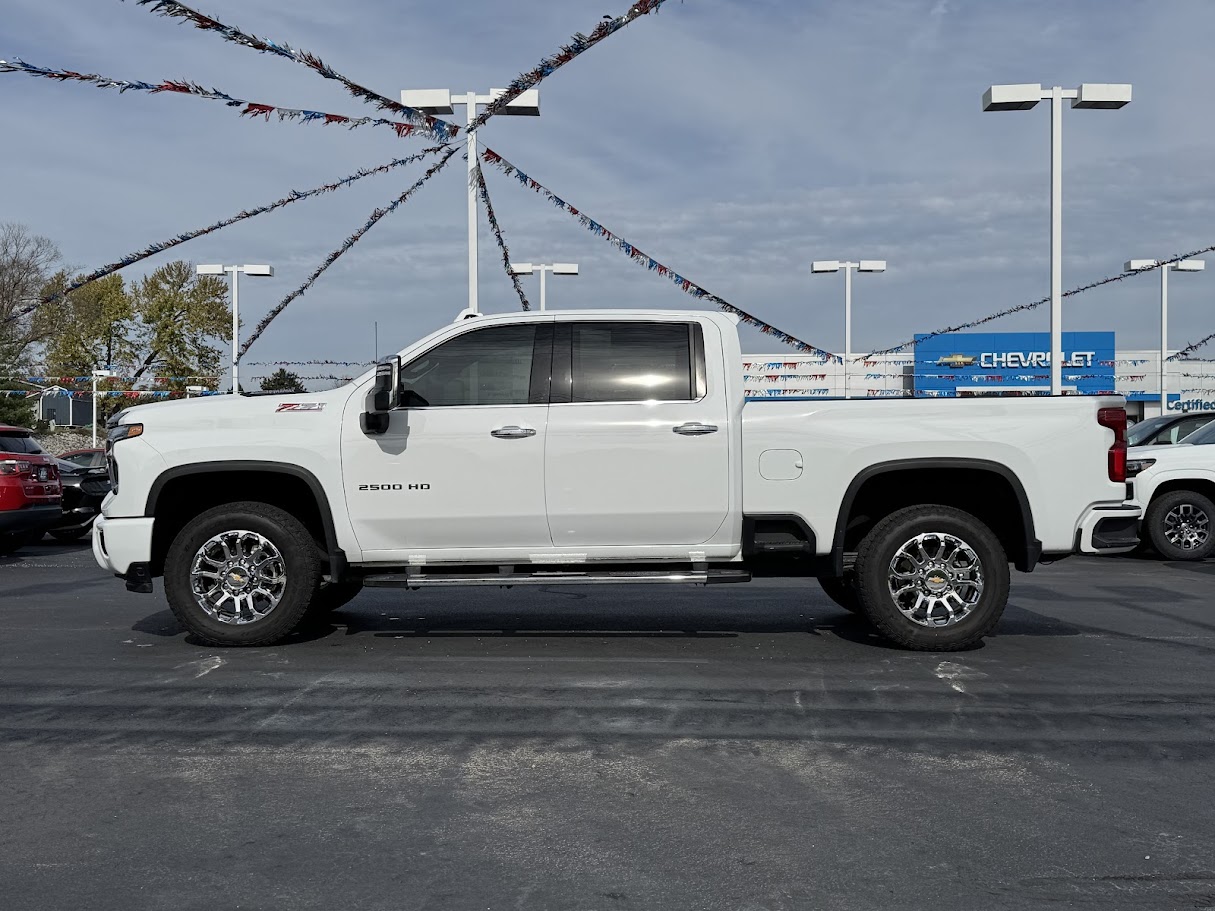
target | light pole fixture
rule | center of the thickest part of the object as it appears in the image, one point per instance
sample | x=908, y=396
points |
x=442, y=101
x=1097, y=95
x=544, y=269
x=835, y=265
x=235, y=272
x=98, y=375
x=1183, y=265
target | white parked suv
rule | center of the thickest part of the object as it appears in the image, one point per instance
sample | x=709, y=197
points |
x=602, y=447
x=1175, y=487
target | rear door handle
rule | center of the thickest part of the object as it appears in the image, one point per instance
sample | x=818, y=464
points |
x=512, y=432
x=695, y=429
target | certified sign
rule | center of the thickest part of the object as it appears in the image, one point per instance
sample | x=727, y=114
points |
x=1188, y=405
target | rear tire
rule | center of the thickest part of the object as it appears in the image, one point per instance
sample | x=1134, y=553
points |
x=67, y=537
x=932, y=578
x=841, y=590
x=242, y=574
x=11, y=542
x=1181, y=525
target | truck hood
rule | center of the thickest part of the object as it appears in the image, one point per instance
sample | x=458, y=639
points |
x=218, y=410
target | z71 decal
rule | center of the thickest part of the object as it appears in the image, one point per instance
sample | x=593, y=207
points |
x=300, y=406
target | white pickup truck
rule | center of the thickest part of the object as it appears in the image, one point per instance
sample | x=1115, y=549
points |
x=560, y=448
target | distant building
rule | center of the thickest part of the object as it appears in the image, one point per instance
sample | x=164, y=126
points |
x=64, y=410
x=963, y=365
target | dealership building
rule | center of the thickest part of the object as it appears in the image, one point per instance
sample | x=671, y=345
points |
x=963, y=365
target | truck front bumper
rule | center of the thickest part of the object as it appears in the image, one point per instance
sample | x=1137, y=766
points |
x=1109, y=530
x=124, y=547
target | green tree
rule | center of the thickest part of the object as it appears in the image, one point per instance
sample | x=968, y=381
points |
x=92, y=327
x=180, y=318
x=283, y=380
x=17, y=411
x=26, y=261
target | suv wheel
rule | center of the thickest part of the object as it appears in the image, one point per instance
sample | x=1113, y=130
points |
x=1180, y=525
x=11, y=542
x=242, y=574
x=932, y=578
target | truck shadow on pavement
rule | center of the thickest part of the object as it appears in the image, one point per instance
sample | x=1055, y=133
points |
x=650, y=622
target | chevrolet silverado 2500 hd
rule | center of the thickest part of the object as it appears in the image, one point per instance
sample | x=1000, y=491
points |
x=586, y=447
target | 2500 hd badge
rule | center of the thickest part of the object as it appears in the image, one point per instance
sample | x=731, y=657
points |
x=394, y=487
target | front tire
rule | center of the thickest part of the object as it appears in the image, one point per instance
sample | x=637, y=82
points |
x=1180, y=525
x=242, y=574
x=932, y=578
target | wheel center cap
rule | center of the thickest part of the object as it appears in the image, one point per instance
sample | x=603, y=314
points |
x=937, y=580
x=238, y=578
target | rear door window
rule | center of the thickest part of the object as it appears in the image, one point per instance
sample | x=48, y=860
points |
x=633, y=362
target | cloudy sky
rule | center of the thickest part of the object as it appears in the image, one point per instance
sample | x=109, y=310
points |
x=735, y=140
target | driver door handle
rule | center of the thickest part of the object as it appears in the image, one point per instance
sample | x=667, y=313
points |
x=695, y=429
x=512, y=432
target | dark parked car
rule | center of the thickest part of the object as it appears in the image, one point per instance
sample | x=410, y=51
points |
x=83, y=490
x=85, y=458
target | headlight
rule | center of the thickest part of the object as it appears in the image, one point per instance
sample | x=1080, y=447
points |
x=121, y=432
x=1135, y=466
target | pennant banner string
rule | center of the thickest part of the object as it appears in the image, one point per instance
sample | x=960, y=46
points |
x=153, y=249
x=1022, y=308
x=578, y=45
x=478, y=179
x=686, y=285
x=346, y=245
x=308, y=363
x=248, y=108
x=1185, y=352
x=440, y=129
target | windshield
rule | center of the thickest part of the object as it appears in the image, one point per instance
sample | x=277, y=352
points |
x=1142, y=431
x=1202, y=437
x=19, y=442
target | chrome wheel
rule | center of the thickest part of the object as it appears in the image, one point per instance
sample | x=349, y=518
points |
x=1187, y=526
x=935, y=579
x=238, y=577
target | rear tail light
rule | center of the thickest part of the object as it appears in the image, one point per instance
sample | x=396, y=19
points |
x=1115, y=420
x=14, y=467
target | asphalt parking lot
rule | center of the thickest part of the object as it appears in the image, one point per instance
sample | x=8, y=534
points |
x=738, y=747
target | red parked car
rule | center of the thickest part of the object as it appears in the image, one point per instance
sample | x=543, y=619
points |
x=30, y=493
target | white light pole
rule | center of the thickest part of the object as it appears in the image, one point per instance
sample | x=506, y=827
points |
x=97, y=375
x=544, y=269
x=235, y=272
x=441, y=101
x=1097, y=95
x=835, y=265
x=1184, y=265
